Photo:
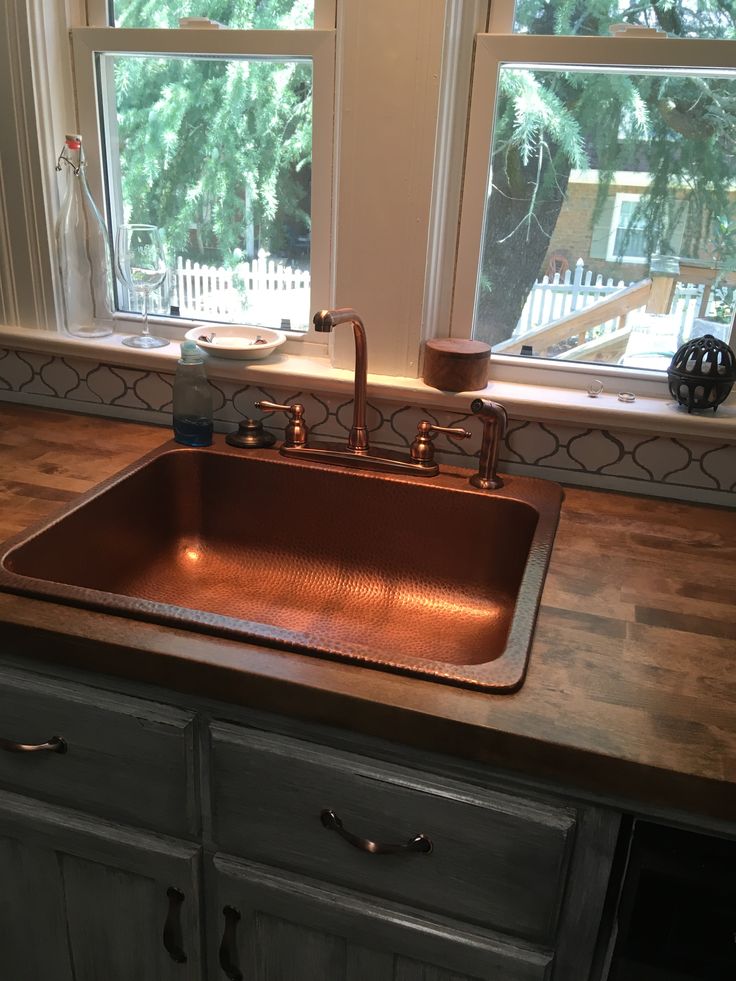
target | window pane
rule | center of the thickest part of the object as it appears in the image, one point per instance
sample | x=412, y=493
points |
x=262, y=15
x=630, y=238
x=678, y=18
x=595, y=175
x=630, y=241
x=217, y=152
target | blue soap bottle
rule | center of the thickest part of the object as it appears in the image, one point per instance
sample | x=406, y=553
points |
x=192, y=401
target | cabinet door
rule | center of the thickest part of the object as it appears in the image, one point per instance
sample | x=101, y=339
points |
x=267, y=927
x=84, y=900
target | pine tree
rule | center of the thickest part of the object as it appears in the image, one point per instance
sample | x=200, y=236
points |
x=217, y=151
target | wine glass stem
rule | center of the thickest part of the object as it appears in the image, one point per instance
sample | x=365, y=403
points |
x=145, y=313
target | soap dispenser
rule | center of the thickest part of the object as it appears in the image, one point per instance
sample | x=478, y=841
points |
x=192, y=399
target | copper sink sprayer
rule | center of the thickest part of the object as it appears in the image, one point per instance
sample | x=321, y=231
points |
x=495, y=423
x=358, y=453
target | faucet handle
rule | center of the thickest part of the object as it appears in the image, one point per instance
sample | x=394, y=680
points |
x=422, y=449
x=455, y=431
x=296, y=430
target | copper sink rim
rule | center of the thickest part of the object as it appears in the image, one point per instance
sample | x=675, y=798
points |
x=505, y=674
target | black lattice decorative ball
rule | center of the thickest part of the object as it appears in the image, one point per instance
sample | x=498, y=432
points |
x=702, y=373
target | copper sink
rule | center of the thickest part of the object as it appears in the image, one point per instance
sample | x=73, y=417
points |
x=425, y=577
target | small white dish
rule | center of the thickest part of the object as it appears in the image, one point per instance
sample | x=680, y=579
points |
x=244, y=341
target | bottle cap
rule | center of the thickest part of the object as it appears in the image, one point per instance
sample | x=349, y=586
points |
x=73, y=141
x=190, y=353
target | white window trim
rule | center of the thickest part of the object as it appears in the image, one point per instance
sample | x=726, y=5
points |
x=317, y=45
x=542, y=51
x=611, y=253
x=27, y=266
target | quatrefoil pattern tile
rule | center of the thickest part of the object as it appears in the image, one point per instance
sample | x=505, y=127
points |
x=628, y=461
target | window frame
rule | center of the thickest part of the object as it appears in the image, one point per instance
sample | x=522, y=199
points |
x=494, y=50
x=316, y=44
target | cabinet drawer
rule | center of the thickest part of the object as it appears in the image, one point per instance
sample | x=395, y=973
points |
x=496, y=860
x=125, y=758
x=289, y=927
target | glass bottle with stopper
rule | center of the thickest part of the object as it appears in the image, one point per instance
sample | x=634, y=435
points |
x=83, y=250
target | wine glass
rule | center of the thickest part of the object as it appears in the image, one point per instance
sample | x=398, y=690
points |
x=140, y=259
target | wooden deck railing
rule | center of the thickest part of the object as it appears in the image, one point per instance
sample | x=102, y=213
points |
x=575, y=325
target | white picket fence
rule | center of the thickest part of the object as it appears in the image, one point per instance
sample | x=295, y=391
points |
x=266, y=292
x=263, y=291
x=551, y=299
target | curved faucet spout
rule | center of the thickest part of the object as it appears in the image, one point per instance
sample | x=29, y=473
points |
x=324, y=321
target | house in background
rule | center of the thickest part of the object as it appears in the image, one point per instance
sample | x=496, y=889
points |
x=592, y=300
x=614, y=244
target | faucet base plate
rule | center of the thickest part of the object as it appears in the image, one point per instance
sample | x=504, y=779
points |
x=341, y=456
x=485, y=483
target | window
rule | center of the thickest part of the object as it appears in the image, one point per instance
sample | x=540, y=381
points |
x=222, y=137
x=627, y=240
x=402, y=188
x=372, y=172
x=589, y=159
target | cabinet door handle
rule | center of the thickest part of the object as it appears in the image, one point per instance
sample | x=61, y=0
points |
x=55, y=745
x=229, y=946
x=419, y=843
x=173, y=940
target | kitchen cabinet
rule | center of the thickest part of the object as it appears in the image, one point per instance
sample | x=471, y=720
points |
x=83, y=899
x=300, y=843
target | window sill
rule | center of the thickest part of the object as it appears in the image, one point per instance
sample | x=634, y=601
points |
x=650, y=414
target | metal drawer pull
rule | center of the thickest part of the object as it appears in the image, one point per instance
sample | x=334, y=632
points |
x=228, y=945
x=173, y=940
x=55, y=745
x=419, y=843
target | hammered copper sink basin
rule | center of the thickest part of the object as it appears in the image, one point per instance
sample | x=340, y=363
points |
x=422, y=576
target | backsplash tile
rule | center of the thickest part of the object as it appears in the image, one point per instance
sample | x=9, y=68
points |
x=692, y=469
x=718, y=462
x=530, y=442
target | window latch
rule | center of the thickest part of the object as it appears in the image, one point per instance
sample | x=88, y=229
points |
x=634, y=30
x=200, y=23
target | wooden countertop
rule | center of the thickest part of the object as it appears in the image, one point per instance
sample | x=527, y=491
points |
x=631, y=690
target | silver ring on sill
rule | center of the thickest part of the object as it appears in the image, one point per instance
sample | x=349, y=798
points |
x=626, y=397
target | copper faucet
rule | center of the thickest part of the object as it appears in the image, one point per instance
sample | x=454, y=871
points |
x=495, y=423
x=358, y=453
x=324, y=321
